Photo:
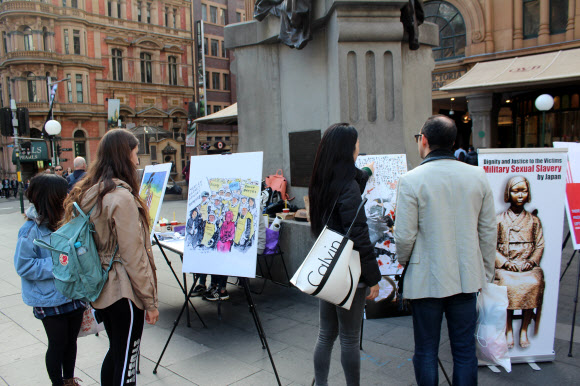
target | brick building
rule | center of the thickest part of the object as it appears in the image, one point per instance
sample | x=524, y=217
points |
x=139, y=52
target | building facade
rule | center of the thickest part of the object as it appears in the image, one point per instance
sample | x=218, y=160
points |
x=216, y=84
x=139, y=52
x=503, y=54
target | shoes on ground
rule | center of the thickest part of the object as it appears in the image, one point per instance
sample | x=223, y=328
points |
x=199, y=290
x=215, y=295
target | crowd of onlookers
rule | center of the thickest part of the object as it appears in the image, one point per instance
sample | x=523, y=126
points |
x=9, y=187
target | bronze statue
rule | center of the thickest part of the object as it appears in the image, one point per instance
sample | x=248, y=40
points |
x=520, y=246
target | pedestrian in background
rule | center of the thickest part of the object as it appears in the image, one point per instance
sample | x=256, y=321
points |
x=80, y=165
x=336, y=179
x=121, y=221
x=471, y=157
x=6, y=187
x=445, y=232
x=59, y=171
x=61, y=317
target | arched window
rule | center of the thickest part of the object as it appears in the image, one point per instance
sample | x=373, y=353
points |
x=45, y=39
x=173, y=70
x=451, y=29
x=117, y=58
x=28, y=41
x=146, y=73
x=80, y=144
x=31, y=82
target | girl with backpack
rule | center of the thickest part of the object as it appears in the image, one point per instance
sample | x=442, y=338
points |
x=121, y=220
x=61, y=317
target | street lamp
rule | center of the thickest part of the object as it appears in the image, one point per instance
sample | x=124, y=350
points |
x=53, y=128
x=544, y=103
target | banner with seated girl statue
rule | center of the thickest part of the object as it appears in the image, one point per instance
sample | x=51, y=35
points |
x=529, y=192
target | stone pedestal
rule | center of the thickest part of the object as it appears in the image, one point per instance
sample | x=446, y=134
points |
x=357, y=69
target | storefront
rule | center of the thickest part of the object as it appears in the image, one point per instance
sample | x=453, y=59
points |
x=33, y=158
x=500, y=99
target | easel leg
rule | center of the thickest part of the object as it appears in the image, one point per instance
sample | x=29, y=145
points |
x=175, y=323
x=186, y=299
x=568, y=265
x=261, y=333
x=575, y=307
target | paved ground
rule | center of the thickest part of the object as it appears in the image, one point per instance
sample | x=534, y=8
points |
x=228, y=352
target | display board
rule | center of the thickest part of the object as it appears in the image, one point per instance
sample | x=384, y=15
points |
x=152, y=190
x=223, y=214
x=381, y=192
x=572, y=189
x=529, y=191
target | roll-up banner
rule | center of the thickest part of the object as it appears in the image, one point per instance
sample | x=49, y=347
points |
x=573, y=189
x=529, y=191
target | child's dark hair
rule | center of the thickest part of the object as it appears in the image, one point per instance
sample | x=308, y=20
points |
x=47, y=193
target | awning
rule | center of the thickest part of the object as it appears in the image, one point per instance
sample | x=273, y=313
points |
x=520, y=71
x=229, y=115
x=38, y=152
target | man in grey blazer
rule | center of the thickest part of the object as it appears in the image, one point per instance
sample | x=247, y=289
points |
x=445, y=232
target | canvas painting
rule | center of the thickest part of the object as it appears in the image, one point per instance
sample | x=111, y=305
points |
x=223, y=214
x=152, y=189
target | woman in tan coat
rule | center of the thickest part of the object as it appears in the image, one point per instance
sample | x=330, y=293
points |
x=520, y=246
x=121, y=223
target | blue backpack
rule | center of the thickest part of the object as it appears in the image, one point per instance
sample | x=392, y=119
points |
x=76, y=265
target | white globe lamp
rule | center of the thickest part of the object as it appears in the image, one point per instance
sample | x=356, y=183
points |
x=52, y=127
x=544, y=103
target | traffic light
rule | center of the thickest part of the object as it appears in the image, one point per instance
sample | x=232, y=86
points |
x=49, y=164
x=58, y=150
x=6, y=122
x=23, y=125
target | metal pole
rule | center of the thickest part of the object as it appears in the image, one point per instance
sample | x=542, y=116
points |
x=17, y=150
x=205, y=81
x=543, y=129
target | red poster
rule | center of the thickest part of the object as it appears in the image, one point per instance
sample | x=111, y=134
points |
x=573, y=197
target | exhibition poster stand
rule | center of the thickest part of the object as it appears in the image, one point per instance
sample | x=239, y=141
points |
x=573, y=212
x=529, y=193
x=178, y=248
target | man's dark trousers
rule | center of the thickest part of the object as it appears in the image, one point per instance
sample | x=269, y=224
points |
x=460, y=312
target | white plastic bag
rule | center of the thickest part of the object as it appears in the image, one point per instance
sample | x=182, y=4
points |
x=89, y=326
x=491, y=343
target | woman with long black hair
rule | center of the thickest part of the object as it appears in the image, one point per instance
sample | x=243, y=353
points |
x=121, y=221
x=60, y=316
x=335, y=192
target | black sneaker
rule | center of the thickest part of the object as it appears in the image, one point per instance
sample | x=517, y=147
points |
x=199, y=290
x=216, y=295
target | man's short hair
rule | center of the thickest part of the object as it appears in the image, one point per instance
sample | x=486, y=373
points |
x=470, y=148
x=79, y=162
x=440, y=132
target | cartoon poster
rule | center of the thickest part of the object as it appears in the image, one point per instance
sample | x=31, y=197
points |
x=381, y=192
x=572, y=189
x=529, y=193
x=152, y=189
x=223, y=214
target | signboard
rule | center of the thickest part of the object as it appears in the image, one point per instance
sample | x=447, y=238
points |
x=113, y=112
x=38, y=152
x=529, y=191
x=223, y=214
x=572, y=190
x=442, y=78
x=381, y=194
x=152, y=190
x=303, y=147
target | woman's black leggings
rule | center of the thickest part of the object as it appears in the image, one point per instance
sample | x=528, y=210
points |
x=62, y=331
x=124, y=326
